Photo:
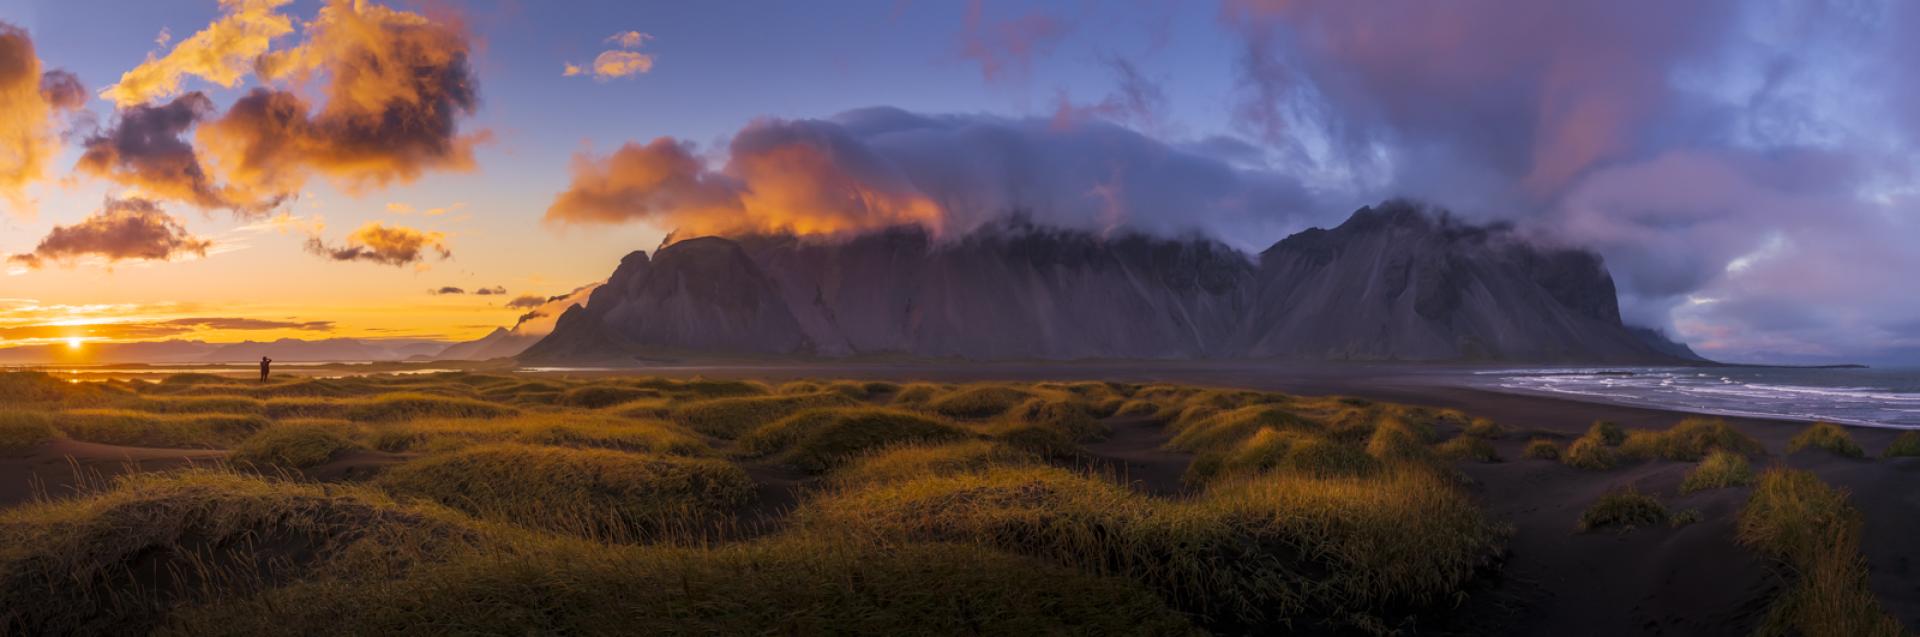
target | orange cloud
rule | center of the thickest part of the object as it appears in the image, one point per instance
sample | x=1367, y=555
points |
x=396, y=85
x=378, y=243
x=125, y=229
x=222, y=53
x=29, y=102
x=145, y=150
x=616, y=64
x=781, y=177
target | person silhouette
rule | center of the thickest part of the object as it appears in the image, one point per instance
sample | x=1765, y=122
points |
x=264, y=363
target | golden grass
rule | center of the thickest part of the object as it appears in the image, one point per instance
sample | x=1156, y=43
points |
x=1468, y=447
x=733, y=417
x=597, y=396
x=1072, y=418
x=1608, y=432
x=1591, y=452
x=1721, y=469
x=1540, y=449
x=1625, y=508
x=1394, y=440
x=1812, y=531
x=979, y=401
x=1255, y=553
x=1689, y=441
x=236, y=405
x=901, y=462
x=410, y=406
x=113, y=560
x=817, y=440
x=1226, y=429
x=594, y=493
x=1828, y=436
x=142, y=429
x=22, y=430
x=1905, y=445
x=293, y=445
x=1484, y=428
x=564, y=429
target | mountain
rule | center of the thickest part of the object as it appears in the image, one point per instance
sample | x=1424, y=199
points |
x=507, y=342
x=1395, y=282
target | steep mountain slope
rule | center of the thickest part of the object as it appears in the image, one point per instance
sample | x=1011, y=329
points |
x=1392, y=283
x=507, y=342
x=1397, y=283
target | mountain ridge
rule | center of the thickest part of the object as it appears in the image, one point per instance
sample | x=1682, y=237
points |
x=1395, y=282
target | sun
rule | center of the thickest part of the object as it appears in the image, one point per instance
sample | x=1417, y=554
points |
x=73, y=342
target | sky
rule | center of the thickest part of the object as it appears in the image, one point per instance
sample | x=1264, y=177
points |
x=259, y=169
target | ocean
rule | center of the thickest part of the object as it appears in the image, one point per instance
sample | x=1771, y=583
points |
x=1875, y=397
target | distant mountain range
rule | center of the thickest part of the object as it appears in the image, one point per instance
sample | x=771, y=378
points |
x=1395, y=282
x=178, y=351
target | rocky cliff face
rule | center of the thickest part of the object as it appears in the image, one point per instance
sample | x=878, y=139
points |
x=1392, y=283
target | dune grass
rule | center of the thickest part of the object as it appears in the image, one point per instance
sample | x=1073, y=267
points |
x=1540, y=449
x=1591, y=452
x=1828, y=436
x=1626, y=509
x=22, y=430
x=114, y=560
x=1608, y=432
x=1395, y=440
x=293, y=445
x=1484, y=429
x=1689, y=441
x=412, y=406
x=142, y=429
x=786, y=586
x=566, y=429
x=1468, y=447
x=1072, y=418
x=817, y=440
x=732, y=417
x=1814, y=533
x=597, y=396
x=1721, y=469
x=1356, y=546
x=980, y=401
x=594, y=493
x=1906, y=445
x=902, y=462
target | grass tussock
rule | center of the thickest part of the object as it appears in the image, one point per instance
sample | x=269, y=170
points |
x=1689, y=441
x=1905, y=445
x=293, y=445
x=1608, y=432
x=1828, y=436
x=597, y=396
x=142, y=429
x=1627, y=509
x=1592, y=453
x=21, y=430
x=1072, y=418
x=1253, y=553
x=820, y=439
x=1721, y=469
x=411, y=406
x=551, y=429
x=1814, y=533
x=1540, y=449
x=1466, y=447
x=733, y=417
x=1484, y=429
x=114, y=560
x=593, y=493
x=1394, y=440
x=977, y=402
x=902, y=462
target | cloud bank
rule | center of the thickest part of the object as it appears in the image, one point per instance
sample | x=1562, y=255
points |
x=880, y=167
x=125, y=229
x=1748, y=169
